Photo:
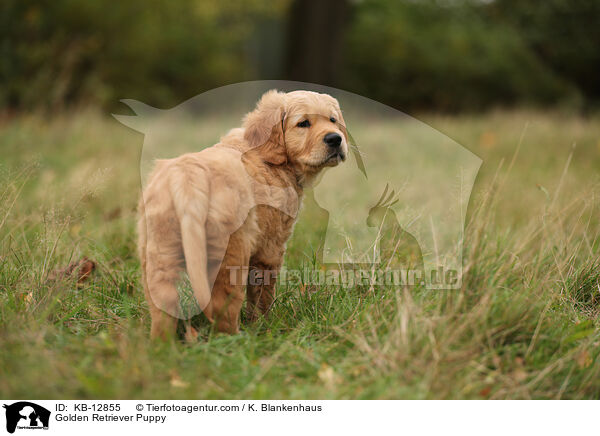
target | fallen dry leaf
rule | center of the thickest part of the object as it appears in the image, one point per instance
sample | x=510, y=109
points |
x=112, y=214
x=83, y=267
x=176, y=381
x=485, y=392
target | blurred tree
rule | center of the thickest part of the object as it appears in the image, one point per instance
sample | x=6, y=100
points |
x=315, y=40
x=564, y=34
x=429, y=54
x=57, y=52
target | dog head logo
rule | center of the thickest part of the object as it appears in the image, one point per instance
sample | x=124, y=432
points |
x=399, y=200
x=26, y=415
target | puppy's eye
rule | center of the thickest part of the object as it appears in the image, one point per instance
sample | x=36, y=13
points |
x=333, y=120
x=304, y=123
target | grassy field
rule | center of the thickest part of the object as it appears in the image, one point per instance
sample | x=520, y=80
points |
x=524, y=325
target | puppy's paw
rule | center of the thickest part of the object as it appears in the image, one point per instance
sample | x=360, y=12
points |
x=191, y=334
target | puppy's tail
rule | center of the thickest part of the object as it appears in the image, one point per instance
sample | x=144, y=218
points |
x=189, y=192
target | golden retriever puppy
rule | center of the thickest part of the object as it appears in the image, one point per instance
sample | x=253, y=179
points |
x=228, y=210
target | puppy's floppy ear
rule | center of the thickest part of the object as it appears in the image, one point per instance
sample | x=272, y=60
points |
x=264, y=127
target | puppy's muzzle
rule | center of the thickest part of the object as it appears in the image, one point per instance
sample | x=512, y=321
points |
x=334, y=142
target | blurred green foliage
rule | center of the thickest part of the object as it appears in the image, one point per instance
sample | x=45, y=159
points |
x=64, y=51
x=444, y=57
x=427, y=54
x=564, y=35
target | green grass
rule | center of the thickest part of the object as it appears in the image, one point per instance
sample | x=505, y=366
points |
x=524, y=325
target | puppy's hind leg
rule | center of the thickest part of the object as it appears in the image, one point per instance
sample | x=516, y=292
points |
x=163, y=300
x=164, y=326
x=161, y=272
x=160, y=292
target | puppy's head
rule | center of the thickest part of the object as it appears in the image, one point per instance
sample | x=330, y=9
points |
x=302, y=128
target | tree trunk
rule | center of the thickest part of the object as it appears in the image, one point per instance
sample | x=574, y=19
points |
x=315, y=40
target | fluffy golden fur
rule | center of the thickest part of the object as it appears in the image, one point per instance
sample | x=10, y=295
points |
x=232, y=207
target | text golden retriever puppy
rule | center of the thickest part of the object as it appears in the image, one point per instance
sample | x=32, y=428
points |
x=230, y=208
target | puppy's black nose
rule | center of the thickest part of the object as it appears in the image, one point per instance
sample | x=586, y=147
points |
x=333, y=139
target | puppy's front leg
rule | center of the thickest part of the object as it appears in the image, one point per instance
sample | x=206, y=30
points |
x=262, y=278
